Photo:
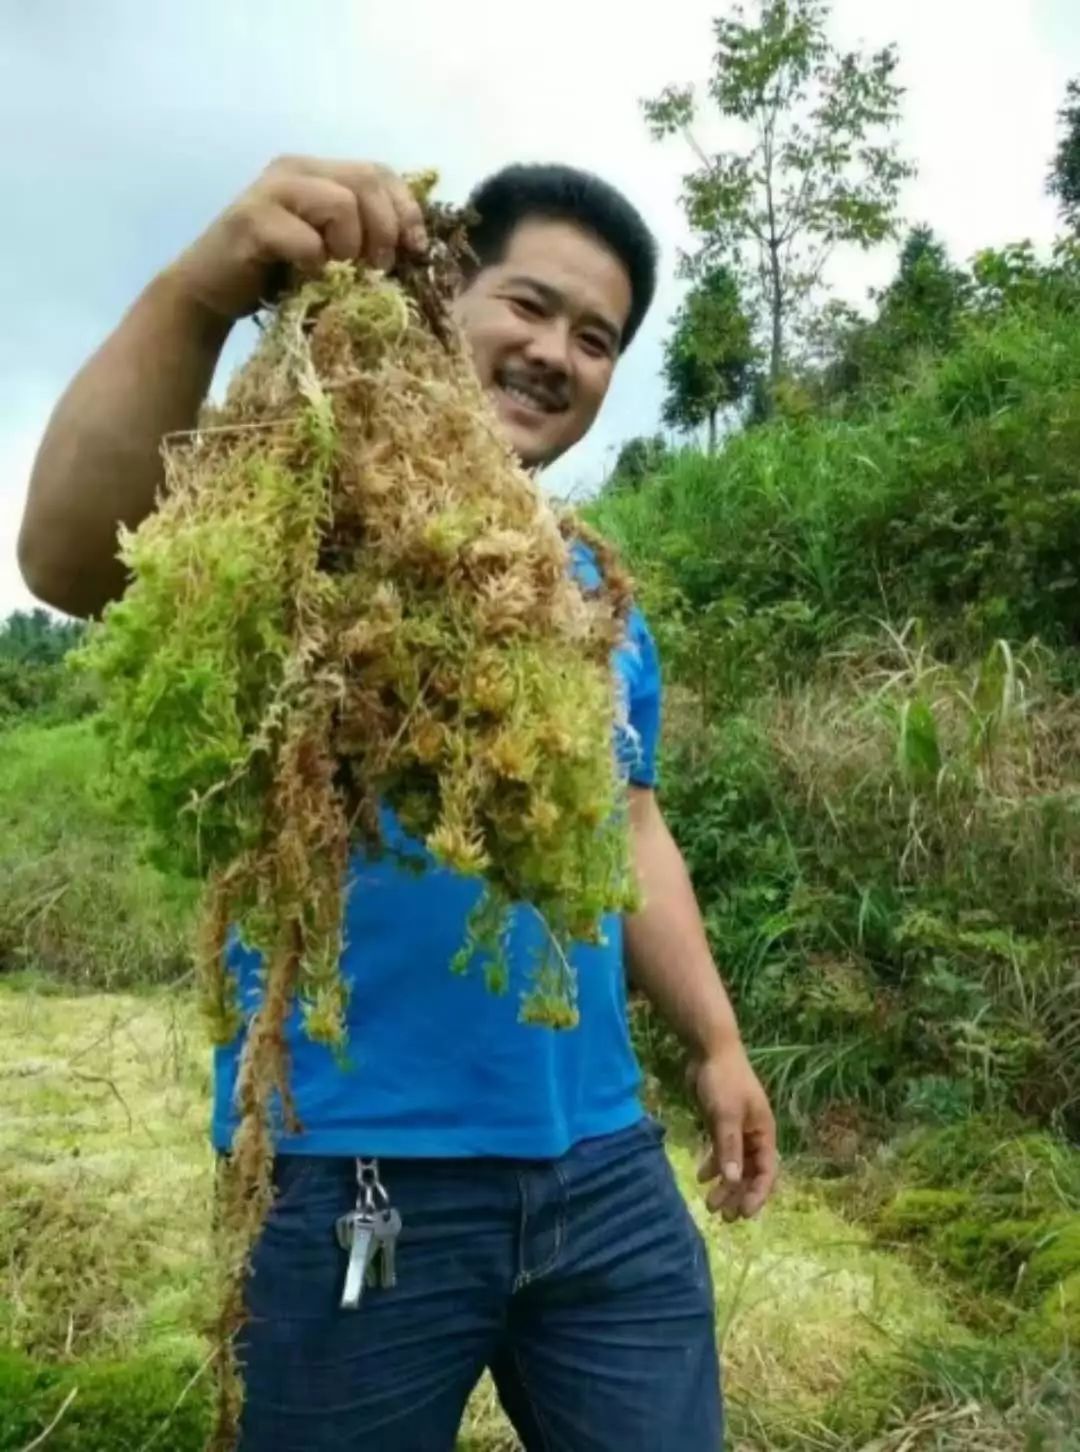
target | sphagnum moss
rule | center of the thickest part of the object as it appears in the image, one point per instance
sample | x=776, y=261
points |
x=351, y=593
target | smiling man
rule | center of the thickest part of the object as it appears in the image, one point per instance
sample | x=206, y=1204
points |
x=534, y=1223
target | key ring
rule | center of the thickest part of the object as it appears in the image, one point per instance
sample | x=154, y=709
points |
x=372, y=1194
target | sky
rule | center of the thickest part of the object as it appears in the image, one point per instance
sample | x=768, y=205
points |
x=125, y=127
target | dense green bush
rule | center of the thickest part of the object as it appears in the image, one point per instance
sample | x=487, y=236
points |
x=955, y=502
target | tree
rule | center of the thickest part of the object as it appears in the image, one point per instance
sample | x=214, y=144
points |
x=34, y=637
x=710, y=354
x=33, y=678
x=919, y=310
x=922, y=304
x=1065, y=171
x=817, y=169
x=638, y=459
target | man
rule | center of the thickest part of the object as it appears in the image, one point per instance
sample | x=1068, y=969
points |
x=542, y=1232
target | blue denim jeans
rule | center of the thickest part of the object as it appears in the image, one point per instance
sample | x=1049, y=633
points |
x=582, y=1282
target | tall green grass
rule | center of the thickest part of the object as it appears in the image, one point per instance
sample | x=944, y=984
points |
x=77, y=899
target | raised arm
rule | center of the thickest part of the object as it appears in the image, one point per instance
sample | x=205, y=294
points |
x=99, y=464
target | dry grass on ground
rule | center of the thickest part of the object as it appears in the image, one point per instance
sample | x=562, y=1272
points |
x=104, y=1203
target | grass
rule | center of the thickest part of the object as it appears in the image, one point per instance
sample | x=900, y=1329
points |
x=887, y=855
x=829, y=1337
x=78, y=899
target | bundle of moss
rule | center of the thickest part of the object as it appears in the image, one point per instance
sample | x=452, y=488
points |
x=351, y=594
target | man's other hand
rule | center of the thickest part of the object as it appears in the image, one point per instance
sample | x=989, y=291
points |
x=742, y=1157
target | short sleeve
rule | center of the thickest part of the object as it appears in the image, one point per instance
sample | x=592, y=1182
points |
x=645, y=700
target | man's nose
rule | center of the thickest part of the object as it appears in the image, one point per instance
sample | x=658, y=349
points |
x=548, y=345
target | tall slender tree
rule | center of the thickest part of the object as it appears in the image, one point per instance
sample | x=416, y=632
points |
x=818, y=167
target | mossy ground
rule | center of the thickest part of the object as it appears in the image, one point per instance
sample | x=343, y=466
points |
x=841, y=1323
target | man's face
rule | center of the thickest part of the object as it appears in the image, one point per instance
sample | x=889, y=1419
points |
x=544, y=325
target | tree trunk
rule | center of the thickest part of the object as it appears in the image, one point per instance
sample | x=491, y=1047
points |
x=776, y=354
x=712, y=431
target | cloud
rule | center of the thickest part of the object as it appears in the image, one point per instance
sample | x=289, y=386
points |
x=128, y=127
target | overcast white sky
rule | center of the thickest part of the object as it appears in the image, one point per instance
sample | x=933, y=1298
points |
x=126, y=126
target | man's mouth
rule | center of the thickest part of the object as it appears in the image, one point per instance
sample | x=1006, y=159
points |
x=530, y=395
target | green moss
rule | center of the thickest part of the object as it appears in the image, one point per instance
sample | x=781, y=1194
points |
x=990, y=1255
x=115, y=1407
x=1053, y=1328
x=1057, y=1255
x=1000, y=1217
x=995, y=1157
x=915, y=1213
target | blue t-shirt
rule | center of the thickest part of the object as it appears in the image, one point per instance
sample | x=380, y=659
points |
x=436, y=1064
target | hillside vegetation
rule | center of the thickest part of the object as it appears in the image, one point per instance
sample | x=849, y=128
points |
x=868, y=610
x=870, y=617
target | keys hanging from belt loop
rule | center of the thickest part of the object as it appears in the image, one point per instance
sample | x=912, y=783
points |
x=369, y=1233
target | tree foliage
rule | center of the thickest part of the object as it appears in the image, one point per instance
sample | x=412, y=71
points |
x=919, y=311
x=709, y=357
x=1065, y=169
x=710, y=353
x=638, y=459
x=34, y=680
x=34, y=637
x=818, y=168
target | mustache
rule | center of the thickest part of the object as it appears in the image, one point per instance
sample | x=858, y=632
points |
x=552, y=388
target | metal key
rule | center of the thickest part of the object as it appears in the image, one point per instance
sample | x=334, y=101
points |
x=356, y=1234
x=382, y=1270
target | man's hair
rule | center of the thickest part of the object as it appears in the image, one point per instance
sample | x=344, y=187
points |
x=564, y=194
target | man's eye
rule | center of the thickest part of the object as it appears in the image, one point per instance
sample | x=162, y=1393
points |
x=595, y=344
x=529, y=306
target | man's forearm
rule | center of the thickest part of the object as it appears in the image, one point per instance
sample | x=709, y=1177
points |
x=99, y=464
x=667, y=952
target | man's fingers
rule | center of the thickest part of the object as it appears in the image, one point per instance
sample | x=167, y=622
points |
x=389, y=215
x=328, y=207
x=753, y=1201
x=410, y=217
x=382, y=230
x=724, y=1198
x=759, y=1188
x=727, y=1137
x=761, y=1167
x=285, y=237
x=708, y=1169
x=762, y=1159
x=724, y=1164
x=725, y=1153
